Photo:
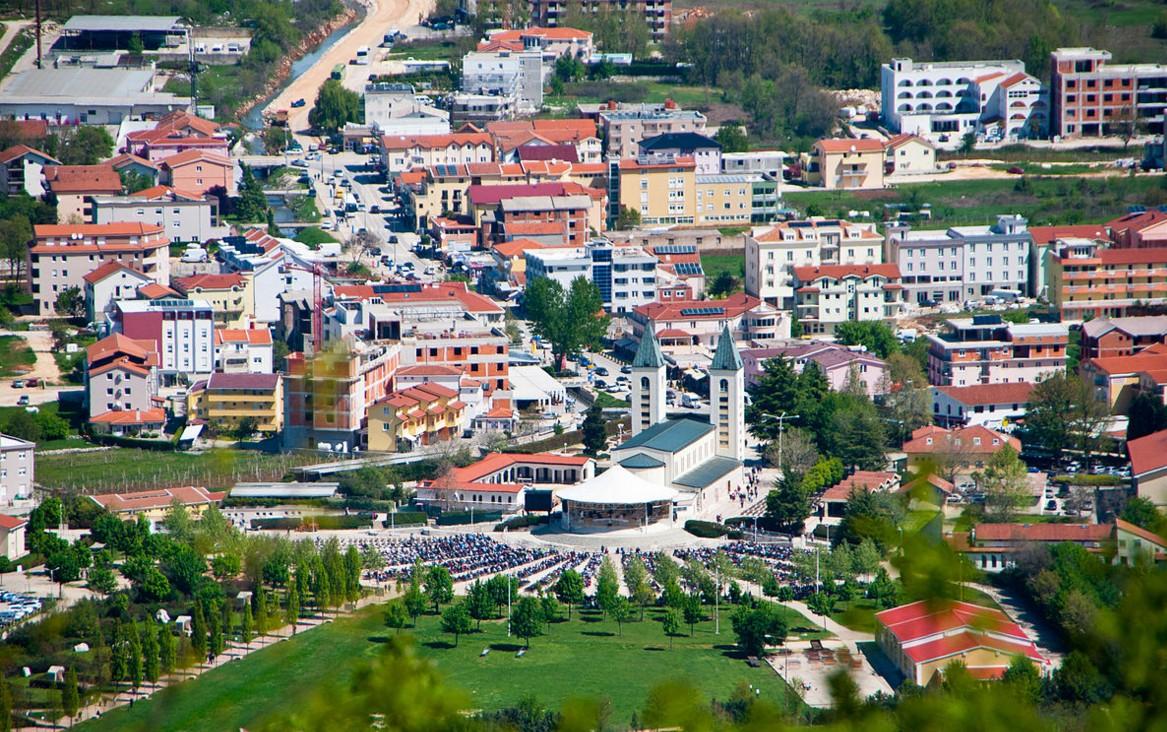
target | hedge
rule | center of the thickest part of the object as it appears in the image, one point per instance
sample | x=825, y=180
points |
x=408, y=518
x=283, y=523
x=1088, y=480
x=116, y=441
x=456, y=518
x=705, y=529
x=325, y=521
x=522, y=522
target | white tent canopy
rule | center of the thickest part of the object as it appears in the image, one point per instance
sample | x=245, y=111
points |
x=617, y=485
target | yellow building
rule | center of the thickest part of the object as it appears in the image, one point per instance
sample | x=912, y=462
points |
x=225, y=400
x=156, y=504
x=420, y=415
x=229, y=295
x=845, y=164
x=661, y=191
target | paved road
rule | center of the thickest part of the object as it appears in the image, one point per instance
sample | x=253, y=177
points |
x=381, y=16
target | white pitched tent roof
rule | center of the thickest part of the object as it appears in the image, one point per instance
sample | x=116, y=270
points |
x=617, y=485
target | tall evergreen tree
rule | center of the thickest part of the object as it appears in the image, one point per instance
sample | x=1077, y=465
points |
x=151, y=664
x=198, y=633
x=167, y=650
x=70, y=695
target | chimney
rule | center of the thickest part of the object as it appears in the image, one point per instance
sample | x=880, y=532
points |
x=612, y=104
x=670, y=104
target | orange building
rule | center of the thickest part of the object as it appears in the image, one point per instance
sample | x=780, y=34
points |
x=1088, y=281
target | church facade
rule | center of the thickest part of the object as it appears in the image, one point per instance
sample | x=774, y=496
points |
x=700, y=458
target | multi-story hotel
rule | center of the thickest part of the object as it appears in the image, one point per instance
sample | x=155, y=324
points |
x=985, y=350
x=658, y=14
x=1091, y=97
x=1088, y=280
x=827, y=295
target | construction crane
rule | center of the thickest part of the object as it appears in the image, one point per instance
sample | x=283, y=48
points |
x=317, y=272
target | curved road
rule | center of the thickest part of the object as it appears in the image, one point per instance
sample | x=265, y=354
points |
x=381, y=15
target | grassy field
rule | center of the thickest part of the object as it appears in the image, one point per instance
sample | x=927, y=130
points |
x=134, y=469
x=1043, y=200
x=855, y=614
x=715, y=264
x=314, y=237
x=606, y=401
x=573, y=659
x=15, y=356
x=16, y=48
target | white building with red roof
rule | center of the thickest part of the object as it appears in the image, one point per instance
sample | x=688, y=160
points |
x=243, y=350
x=964, y=449
x=104, y=286
x=923, y=638
x=121, y=380
x=17, y=469
x=12, y=531
x=185, y=216
x=830, y=294
x=683, y=323
x=155, y=504
x=498, y=481
x=995, y=406
x=400, y=153
x=832, y=504
x=553, y=42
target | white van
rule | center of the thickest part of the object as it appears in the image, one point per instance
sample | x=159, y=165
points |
x=195, y=254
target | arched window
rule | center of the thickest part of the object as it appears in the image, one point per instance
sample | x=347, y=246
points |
x=724, y=385
x=643, y=382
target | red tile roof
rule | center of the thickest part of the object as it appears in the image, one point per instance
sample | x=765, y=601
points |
x=93, y=231
x=681, y=161
x=252, y=336
x=119, y=344
x=489, y=195
x=83, y=179
x=1044, y=235
x=952, y=645
x=425, y=369
x=434, y=142
x=839, y=271
x=209, y=282
x=155, y=291
x=126, y=159
x=918, y=620
x=861, y=480
x=108, y=269
x=560, y=33
x=19, y=151
x=8, y=523
x=187, y=157
x=983, y=394
x=131, y=417
x=734, y=306
x=231, y=382
x=1148, y=453
x=1145, y=257
x=931, y=439
x=497, y=461
x=845, y=145
x=1140, y=532
x=516, y=247
x=1077, y=533
x=157, y=499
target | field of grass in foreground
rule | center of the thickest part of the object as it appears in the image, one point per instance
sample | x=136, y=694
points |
x=585, y=658
x=132, y=469
x=15, y=356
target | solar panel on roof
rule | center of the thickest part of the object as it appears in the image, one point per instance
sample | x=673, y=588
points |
x=801, y=224
x=702, y=311
x=675, y=249
x=688, y=268
x=393, y=288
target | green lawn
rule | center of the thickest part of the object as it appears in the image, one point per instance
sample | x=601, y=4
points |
x=715, y=264
x=142, y=469
x=1044, y=200
x=574, y=659
x=16, y=357
x=855, y=614
x=606, y=400
x=314, y=237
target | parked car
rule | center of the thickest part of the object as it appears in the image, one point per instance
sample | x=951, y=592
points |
x=1051, y=505
x=299, y=103
x=32, y=382
x=626, y=369
x=23, y=401
x=600, y=384
x=18, y=384
x=1015, y=170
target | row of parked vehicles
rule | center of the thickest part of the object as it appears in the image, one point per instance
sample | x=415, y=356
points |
x=15, y=607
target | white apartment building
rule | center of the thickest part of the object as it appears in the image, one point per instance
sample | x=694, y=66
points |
x=106, y=285
x=514, y=75
x=400, y=153
x=943, y=101
x=773, y=252
x=243, y=350
x=183, y=217
x=183, y=332
x=396, y=109
x=766, y=162
x=625, y=275
x=17, y=469
x=962, y=262
x=827, y=295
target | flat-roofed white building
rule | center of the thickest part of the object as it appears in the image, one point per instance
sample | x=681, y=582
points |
x=17, y=469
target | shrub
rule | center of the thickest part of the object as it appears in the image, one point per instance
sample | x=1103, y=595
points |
x=408, y=518
x=705, y=529
x=1092, y=480
x=521, y=522
x=456, y=518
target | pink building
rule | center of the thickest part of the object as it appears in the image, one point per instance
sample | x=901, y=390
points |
x=836, y=362
x=198, y=171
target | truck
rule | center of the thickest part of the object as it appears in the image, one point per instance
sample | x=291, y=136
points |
x=362, y=58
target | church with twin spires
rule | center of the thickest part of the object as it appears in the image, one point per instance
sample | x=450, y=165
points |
x=700, y=458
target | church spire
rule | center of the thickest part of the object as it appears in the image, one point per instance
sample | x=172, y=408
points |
x=648, y=354
x=726, y=357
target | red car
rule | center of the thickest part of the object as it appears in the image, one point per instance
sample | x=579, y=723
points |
x=1015, y=171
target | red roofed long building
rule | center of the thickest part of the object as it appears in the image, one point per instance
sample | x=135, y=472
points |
x=1087, y=280
x=922, y=639
x=63, y=254
x=498, y=481
x=700, y=322
x=155, y=504
x=400, y=153
x=964, y=449
x=987, y=405
x=829, y=294
x=75, y=185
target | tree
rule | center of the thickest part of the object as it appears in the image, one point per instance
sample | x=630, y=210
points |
x=875, y=335
x=479, y=603
x=292, y=607
x=396, y=616
x=15, y=235
x=198, y=632
x=151, y=664
x=352, y=573
x=246, y=625
x=84, y=145
x=1005, y=483
x=527, y=619
x=621, y=611
x=636, y=578
x=1142, y=512
x=1063, y=414
x=795, y=453
x=907, y=401
x=569, y=68
x=627, y=218
x=732, y=138
x=787, y=504
x=693, y=613
x=456, y=620
x=167, y=649
x=671, y=622
x=569, y=588
x=439, y=585
x=1023, y=677
x=102, y=580
x=226, y=565
x=724, y=284
x=133, y=181
x=414, y=599
x=757, y=626
x=71, y=303
x=251, y=204
x=335, y=106
x=856, y=435
x=70, y=695
x=1147, y=415
x=550, y=607
x=595, y=439
x=216, y=643
x=607, y=586
x=821, y=603
x=570, y=320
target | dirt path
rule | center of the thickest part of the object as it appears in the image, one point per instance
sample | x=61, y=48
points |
x=41, y=343
x=381, y=15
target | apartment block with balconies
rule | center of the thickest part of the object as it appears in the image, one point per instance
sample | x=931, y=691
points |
x=1092, y=97
x=984, y=349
